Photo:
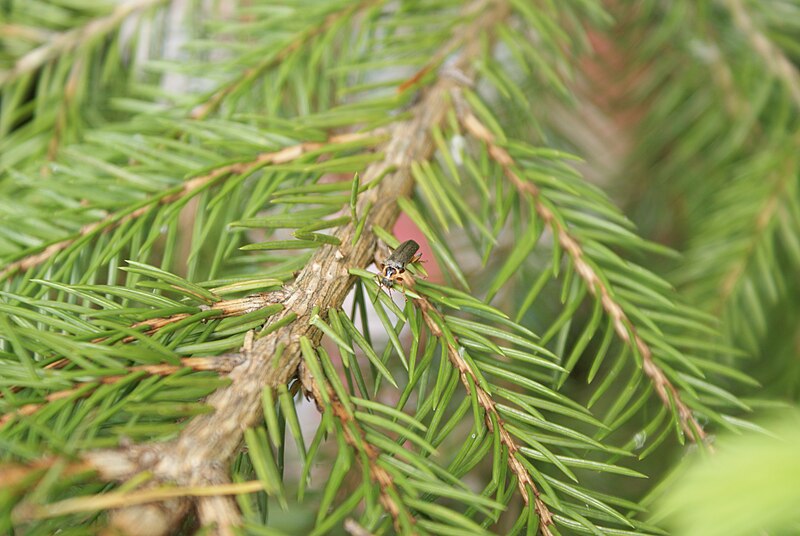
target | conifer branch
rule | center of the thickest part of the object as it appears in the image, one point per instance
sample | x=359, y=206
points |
x=355, y=436
x=733, y=277
x=623, y=326
x=220, y=510
x=526, y=485
x=68, y=41
x=113, y=413
x=722, y=74
x=774, y=58
x=221, y=364
x=190, y=187
x=251, y=74
x=227, y=308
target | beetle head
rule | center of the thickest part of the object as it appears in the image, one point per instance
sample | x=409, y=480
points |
x=388, y=276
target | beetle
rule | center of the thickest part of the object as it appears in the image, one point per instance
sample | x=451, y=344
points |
x=394, y=267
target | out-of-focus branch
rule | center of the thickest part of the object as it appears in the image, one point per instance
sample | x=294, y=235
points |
x=68, y=41
x=253, y=73
x=774, y=58
x=623, y=326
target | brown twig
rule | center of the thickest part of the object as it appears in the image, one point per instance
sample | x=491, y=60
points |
x=623, y=326
x=351, y=429
x=491, y=416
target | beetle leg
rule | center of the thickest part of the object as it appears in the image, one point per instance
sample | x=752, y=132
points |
x=407, y=282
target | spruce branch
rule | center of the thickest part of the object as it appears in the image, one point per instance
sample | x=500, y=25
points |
x=623, y=326
x=200, y=455
x=525, y=483
x=774, y=58
x=226, y=308
x=221, y=364
x=68, y=41
x=187, y=189
x=251, y=74
x=356, y=437
x=739, y=225
x=762, y=222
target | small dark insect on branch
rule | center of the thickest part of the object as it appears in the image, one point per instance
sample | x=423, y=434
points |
x=394, y=268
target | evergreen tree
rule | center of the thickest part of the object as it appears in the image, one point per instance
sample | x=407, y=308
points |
x=192, y=194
